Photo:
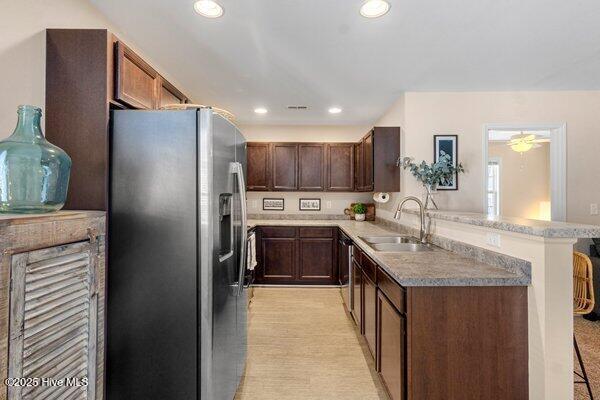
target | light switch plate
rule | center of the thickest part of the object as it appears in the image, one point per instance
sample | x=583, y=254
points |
x=328, y=203
x=492, y=239
x=594, y=209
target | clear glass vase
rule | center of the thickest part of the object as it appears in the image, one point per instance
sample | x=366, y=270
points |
x=34, y=174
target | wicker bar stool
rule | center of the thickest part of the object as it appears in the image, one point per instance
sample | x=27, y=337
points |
x=583, y=303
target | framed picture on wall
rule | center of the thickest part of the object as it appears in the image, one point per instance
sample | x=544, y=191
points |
x=447, y=144
x=273, y=204
x=310, y=205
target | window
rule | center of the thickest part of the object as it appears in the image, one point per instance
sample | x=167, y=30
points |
x=493, y=187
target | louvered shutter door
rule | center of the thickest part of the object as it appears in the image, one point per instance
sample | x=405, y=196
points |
x=53, y=321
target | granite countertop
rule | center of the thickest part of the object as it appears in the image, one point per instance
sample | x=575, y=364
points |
x=547, y=229
x=432, y=268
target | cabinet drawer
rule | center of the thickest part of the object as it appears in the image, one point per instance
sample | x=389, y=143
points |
x=369, y=267
x=394, y=292
x=278, y=231
x=316, y=232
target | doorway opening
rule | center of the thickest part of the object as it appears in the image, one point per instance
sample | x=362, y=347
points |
x=525, y=171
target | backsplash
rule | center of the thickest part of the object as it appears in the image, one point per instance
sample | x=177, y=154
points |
x=331, y=203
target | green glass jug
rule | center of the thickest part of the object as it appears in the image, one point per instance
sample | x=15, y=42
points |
x=34, y=174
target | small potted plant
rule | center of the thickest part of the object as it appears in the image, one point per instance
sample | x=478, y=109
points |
x=359, y=210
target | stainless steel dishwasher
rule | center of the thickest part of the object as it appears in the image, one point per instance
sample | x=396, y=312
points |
x=345, y=269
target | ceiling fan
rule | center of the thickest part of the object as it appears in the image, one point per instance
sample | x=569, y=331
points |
x=523, y=142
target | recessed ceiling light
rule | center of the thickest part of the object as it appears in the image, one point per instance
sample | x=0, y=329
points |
x=374, y=8
x=208, y=8
x=335, y=110
x=260, y=110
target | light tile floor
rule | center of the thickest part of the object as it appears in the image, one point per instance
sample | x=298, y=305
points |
x=303, y=345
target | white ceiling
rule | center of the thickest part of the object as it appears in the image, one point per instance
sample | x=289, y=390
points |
x=322, y=53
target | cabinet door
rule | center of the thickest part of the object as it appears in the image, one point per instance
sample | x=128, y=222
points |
x=169, y=94
x=311, y=169
x=317, y=256
x=357, y=294
x=391, y=352
x=259, y=174
x=358, y=167
x=285, y=166
x=368, y=162
x=369, y=316
x=136, y=82
x=340, y=167
x=53, y=320
x=278, y=260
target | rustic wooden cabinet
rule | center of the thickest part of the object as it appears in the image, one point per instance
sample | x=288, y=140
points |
x=88, y=73
x=297, y=255
x=340, y=167
x=52, y=274
x=284, y=158
x=311, y=167
x=259, y=166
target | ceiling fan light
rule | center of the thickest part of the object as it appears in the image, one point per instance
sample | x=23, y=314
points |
x=374, y=8
x=521, y=147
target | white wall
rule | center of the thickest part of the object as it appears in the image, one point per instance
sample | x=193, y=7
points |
x=23, y=48
x=331, y=203
x=464, y=113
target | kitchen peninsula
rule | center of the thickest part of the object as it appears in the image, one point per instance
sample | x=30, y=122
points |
x=462, y=293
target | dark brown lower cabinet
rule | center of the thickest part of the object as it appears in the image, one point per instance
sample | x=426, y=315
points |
x=316, y=260
x=278, y=259
x=391, y=349
x=357, y=295
x=369, y=312
x=297, y=255
x=442, y=342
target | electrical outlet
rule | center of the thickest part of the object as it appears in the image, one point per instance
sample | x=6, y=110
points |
x=493, y=239
x=254, y=204
x=328, y=203
x=594, y=209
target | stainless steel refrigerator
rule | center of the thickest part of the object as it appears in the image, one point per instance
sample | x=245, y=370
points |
x=176, y=301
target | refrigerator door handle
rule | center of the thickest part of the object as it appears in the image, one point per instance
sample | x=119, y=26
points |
x=238, y=170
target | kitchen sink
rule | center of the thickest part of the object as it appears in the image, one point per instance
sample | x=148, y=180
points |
x=390, y=239
x=395, y=243
x=400, y=247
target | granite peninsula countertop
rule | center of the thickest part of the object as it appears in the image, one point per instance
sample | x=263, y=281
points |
x=546, y=229
x=438, y=267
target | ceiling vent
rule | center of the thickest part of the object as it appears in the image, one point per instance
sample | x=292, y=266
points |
x=297, y=107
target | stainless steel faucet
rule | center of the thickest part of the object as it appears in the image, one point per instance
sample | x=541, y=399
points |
x=422, y=236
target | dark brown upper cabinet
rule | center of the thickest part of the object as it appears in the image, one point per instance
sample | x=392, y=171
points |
x=169, y=94
x=340, y=167
x=359, y=177
x=368, y=163
x=366, y=166
x=311, y=167
x=88, y=73
x=377, y=154
x=136, y=82
x=285, y=166
x=259, y=174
